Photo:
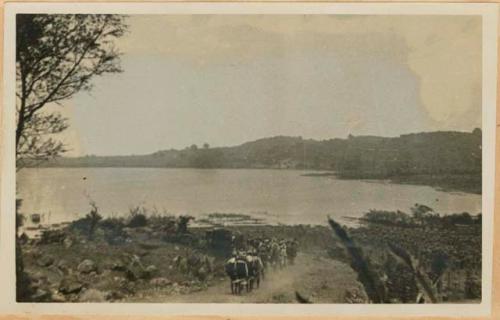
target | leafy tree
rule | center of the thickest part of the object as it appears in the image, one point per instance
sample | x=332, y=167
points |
x=182, y=223
x=421, y=212
x=57, y=56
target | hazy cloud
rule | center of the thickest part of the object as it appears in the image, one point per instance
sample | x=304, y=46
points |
x=230, y=79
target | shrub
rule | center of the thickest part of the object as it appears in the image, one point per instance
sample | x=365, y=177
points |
x=88, y=224
x=137, y=217
x=93, y=217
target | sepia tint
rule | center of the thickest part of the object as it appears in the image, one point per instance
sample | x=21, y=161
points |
x=249, y=158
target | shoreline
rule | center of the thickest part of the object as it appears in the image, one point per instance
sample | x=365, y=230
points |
x=137, y=259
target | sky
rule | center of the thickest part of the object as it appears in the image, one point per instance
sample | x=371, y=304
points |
x=226, y=80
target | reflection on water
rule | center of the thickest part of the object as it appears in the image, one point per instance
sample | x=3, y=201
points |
x=276, y=196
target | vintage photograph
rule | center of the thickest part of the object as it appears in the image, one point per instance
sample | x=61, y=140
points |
x=249, y=158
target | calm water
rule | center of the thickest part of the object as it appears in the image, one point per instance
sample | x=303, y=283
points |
x=283, y=196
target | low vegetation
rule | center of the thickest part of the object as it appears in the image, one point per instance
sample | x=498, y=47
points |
x=398, y=258
x=417, y=257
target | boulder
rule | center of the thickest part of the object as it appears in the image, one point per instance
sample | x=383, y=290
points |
x=142, y=253
x=41, y=295
x=118, y=265
x=56, y=270
x=23, y=238
x=63, y=265
x=106, y=273
x=68, y=286
x=147, y=230
x=202, y=273
x=149, y=245
x=57, y=297
x=93, y=295
x=114, y=295
x=151, y=270
x=45, y=261
x=128, y=231
x=160, y=282
x=87, y=266
x=68, y=243
x=135, y=271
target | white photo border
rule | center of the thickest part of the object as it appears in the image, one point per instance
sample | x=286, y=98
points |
x=8, y=304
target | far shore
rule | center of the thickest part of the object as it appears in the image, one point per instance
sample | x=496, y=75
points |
x=466, y=183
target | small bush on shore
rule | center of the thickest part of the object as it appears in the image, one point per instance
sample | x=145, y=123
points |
x=93, y=218
x=137, y=217
x=89, y=223
x=421, y=215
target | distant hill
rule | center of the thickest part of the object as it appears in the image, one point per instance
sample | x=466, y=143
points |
x=447, y=159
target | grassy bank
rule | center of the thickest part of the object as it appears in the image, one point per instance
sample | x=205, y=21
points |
x=469, y=183
x=141, y=257
x=446, y=249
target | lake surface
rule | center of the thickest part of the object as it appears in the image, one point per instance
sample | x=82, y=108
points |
x=277, y=196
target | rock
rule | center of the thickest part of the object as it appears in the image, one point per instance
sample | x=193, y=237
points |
x=128, y=231
x=23, y=238
x=114, y=295
x=118, y=265
x=106, y=274
x=202, y=273
x=147, y=230
x=92, y=295
x=151, y=269
x=135, y=271
x=57, y=297
x=87, y=266
x=149, y=245
x=353, y=295
x=160, y=282
x=63, y=266
x=176, y=288
x=68, y=286
x=156, y=234
x=45, y=261
x=35, y=254
x=41, y=295
x=68, y=243
x=56, y=270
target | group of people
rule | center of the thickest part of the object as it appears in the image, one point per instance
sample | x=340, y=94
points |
x=275, y=253
x=251, y=260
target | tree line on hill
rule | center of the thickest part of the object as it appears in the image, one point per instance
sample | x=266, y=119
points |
x=448, y=159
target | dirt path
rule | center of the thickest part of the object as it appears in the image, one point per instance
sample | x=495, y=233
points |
x=319, y=279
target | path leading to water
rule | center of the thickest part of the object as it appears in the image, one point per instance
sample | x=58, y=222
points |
x=320, y=279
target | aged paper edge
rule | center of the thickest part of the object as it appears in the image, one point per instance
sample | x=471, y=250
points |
x=240, y=311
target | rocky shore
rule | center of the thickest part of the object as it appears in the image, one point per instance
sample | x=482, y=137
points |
x=144, y=258
x=136, y=259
